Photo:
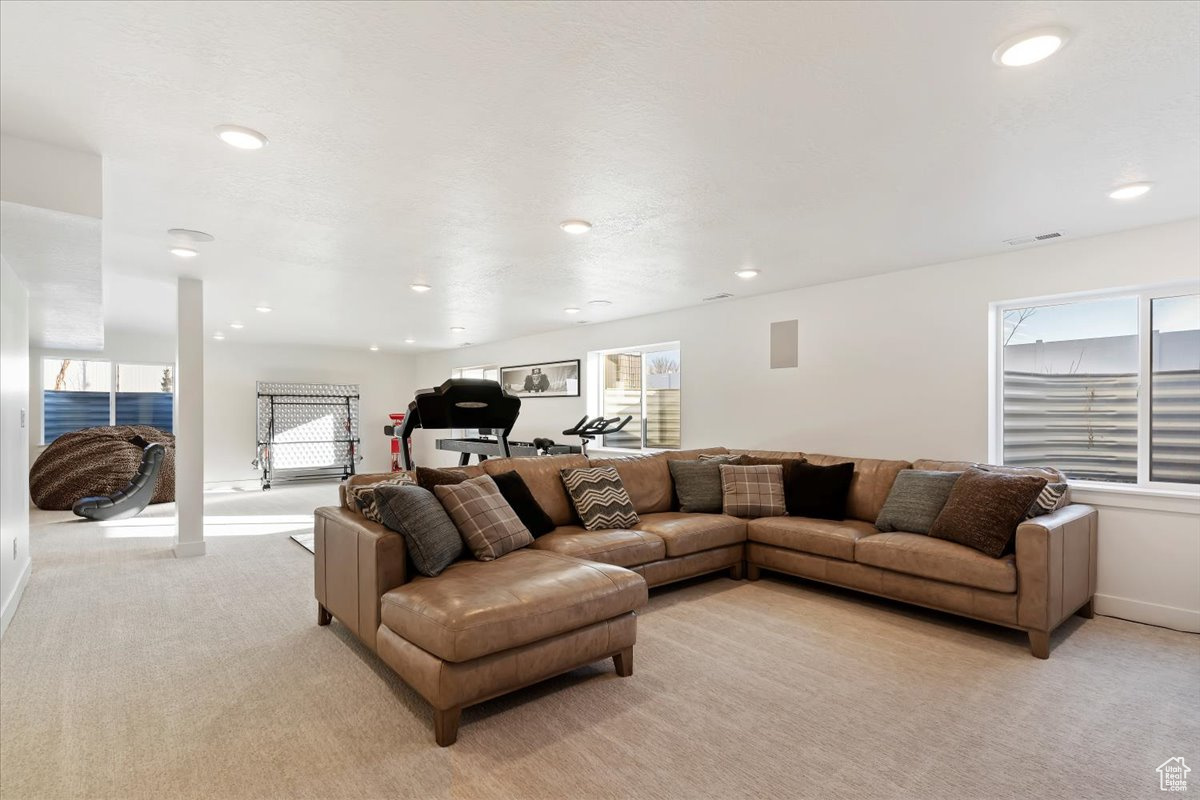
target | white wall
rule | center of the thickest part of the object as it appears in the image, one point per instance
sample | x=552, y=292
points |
x=15, y=564
x=231, y=371
x=891, y=366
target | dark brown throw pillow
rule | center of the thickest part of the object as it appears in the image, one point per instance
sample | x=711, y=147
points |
x=517, y=493
x=817, y=492
x=429, y=477
x=984, y=509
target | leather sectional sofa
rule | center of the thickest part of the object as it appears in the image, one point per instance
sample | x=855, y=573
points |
x=481, y=629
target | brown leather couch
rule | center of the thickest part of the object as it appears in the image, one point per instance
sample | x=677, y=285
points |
x=481, y=629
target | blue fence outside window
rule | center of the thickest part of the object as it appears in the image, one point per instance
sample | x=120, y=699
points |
x=64, y=412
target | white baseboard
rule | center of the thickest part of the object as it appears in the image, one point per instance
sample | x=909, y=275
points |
x=189, y=549
x=10, y=607
x=1180, y=619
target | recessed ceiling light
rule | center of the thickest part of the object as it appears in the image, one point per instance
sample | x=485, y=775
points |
x=237, y=326
x=420, y=287
x=373, y=348
x=410, y=340
x=1130, y=191
x=190, y=236
x=184, y=252
x=599, y=302
x=1030, y=47
x=240, y=137
x=575, y=226
x=571, y=310
x=746, y=274
x=219, y=336
x=263, y=309
x=457, y=329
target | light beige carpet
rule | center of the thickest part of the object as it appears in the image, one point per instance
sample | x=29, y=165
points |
x=130, y=674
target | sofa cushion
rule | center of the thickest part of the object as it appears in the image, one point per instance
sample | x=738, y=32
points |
x=360, y=497
x=429, y=477
x=599, y=497
x=692, y=455
x=984, y=509
x=813, y=490
x=752, y=491
x=940, y=560
x=475, y=608
x=624, y=548
x=698, y=483
x=1049, y=473
x=432, y=540
x=769, y=456
x=821, y=537
x=543, y=477
x=684, y=533
x=647, y=479
x=870, y=486
x=513, y=487
x=916, y=499
x=486, y=521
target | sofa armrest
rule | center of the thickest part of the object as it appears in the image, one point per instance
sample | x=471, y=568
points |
x=356, y=562
x=1056, y=566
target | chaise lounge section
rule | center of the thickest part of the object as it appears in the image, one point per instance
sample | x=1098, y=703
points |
x=480, y=629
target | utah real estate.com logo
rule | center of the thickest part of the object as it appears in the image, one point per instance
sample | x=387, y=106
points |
x=1172, y=775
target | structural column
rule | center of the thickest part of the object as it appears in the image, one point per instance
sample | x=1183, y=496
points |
x=189, y=419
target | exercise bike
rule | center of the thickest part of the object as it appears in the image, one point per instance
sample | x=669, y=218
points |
x=588, y=429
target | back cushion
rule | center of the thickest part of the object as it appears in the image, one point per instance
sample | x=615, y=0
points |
x=692, y=455
x=543, y=476
x=646, y=478
x=1049, y=473
x=368, y=477
x=872, y=482
x=774, y=456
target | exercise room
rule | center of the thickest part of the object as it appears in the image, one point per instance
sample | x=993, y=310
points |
x=661, y=400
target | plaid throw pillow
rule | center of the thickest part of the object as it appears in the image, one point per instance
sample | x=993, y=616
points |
x=361, y=498
x=600, y=498
x=753, y=491
x=486, y=521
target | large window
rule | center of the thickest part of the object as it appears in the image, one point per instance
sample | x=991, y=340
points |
x=78, y=393
x=643, y=383
x=1071, y=379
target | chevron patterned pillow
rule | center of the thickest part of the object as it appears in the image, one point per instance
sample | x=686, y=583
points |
x=600, y=498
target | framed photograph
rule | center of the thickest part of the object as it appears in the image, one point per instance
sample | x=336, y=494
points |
x=552, y=379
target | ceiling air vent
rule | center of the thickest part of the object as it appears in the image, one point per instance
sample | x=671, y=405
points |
x=1040, y=237
x=721, y=296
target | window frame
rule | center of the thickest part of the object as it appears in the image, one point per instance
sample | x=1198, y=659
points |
x=595, y=391
x=1145, y=296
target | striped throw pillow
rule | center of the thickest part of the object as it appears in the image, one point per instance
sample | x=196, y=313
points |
x=361, y=498
x=600, y=498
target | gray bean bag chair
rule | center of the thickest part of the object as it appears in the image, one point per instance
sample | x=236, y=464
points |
x=98, y=462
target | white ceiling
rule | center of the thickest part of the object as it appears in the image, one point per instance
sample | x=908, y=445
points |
x=445, y=142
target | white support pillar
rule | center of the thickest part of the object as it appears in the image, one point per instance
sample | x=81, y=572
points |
x=189, y=419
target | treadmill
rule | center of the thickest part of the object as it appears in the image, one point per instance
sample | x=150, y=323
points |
x=471, y=403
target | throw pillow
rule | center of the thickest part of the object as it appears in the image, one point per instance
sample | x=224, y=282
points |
x=752, y=491
x=361, y=498
x=599, y=498
x=984, y=509
x=916, y=499
x=429, y=477
x=517, y=493
x=817, y=492
x=1052, y=498
x=429, y=534
x=698, y=483
x=486, y=521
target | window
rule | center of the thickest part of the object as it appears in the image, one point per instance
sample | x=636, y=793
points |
x=77, y=393
x=145, y=393
x=1070, y=374
x=643, y=383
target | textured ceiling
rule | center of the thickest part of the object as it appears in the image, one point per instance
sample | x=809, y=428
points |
x=57, y=257
x=444, y=143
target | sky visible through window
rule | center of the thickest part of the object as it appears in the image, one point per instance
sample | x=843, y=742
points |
x=1093, y=319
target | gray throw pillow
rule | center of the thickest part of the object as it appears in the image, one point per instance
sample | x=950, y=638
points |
x=916, y=499
x=429, y=534
x=698, y=483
